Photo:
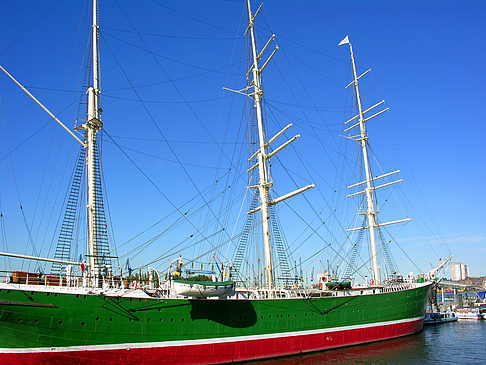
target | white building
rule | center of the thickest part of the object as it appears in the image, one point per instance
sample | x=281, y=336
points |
x=464, y=272
x=459, y=271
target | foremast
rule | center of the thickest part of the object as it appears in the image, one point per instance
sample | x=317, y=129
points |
x=92, y=126
x=262, y=154
x=369, y=191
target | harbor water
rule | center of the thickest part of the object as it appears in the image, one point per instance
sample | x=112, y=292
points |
x=461, y=342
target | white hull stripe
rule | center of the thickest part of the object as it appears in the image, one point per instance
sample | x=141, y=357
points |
x=126, y=346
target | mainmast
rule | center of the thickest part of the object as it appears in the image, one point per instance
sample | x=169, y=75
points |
x=362, y=138
x=92, y=126
x=263, y=167
x=262, y=154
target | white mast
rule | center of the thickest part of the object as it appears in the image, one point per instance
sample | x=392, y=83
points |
x=92, y=126
x=263, y=168
x=362, y=138
x=370, y=212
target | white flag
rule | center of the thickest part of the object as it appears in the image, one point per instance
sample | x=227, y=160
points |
x=344, y=41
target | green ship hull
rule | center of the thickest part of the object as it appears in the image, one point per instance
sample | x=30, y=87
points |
x=52, y=325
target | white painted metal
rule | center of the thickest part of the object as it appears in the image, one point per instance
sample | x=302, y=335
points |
x=366, y=111
x=263, y=167
x=364, y=73
x=42, y=106
x=375, y=115
x=370, y=213
x=280, y=148
x=262, y=162
x=278, y=134
x=254, y=166
x=92, y=126
x=375, y=178
x=38, y=258
x=365, y=120
x=380, y=224
x=290, y=195
x=431, y=274
x=375, y=188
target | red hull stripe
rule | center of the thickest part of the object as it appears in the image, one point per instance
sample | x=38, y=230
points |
x=212, y=351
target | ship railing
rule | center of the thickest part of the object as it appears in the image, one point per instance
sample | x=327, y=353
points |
x=392, y=287
x=262, y=293
x=69, y=281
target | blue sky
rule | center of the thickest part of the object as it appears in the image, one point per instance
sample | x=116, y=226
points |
x=426, y=59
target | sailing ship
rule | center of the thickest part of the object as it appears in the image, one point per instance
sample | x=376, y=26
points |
x=63, y=317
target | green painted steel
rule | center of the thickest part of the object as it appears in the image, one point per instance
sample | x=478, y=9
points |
x=58, y=320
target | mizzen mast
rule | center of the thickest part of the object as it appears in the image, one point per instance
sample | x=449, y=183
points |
x=369, y=191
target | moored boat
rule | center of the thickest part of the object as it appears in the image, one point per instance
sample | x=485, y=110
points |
x=470, y=313
x=440, y=317
x=69, y=318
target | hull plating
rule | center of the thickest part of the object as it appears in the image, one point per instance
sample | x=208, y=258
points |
x=67, y=327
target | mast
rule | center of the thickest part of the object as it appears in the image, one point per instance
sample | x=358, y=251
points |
x=369, y=190
x=92, y=126
x=263, y=168
x=262, y=154
x=370, y=211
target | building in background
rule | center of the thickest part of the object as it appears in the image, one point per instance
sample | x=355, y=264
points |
x=459, y=271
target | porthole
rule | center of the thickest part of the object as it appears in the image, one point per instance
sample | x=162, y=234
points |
x=20, y=320
x=48, y=294
x=8, y=291
x=97, y=318
x=172, y=319
x=160, y=319
x=36, y=321
x=182, y=319
x=82, y=323
x=60, y=322
x=111, y=319
x=148, y=319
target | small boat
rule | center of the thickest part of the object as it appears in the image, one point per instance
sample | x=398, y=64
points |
x=470, y=313
x=440, y=317
x=202, y=289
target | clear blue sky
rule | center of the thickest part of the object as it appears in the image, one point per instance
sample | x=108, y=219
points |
x=427, y=63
